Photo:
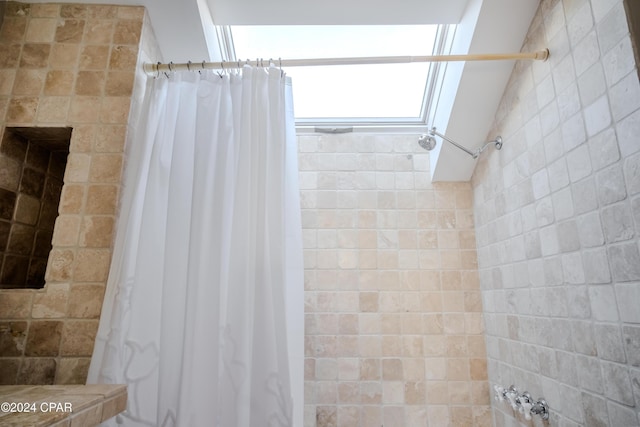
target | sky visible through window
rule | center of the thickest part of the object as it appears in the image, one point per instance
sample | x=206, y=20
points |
x=394, y=91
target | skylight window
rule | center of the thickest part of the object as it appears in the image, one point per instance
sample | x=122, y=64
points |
x=376, y=94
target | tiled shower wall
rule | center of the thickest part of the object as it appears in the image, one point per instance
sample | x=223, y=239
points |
x=393, y=317
x=557, y=214
x=70, y=65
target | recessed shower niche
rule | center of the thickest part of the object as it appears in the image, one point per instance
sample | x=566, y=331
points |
x=32, y=165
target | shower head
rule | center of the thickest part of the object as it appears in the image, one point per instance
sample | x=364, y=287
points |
x=427, y=142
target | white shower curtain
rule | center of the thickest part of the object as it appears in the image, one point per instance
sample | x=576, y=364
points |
x=202, y=316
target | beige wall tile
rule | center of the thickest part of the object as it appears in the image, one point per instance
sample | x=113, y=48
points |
x=97, y=231
x=53, y=109
x=99, y=32
x=85, y=301
x=22, y=110
x=64, y=56
x=101, y=199
x=52, y=303
x=41, y=30
x=78, y=337
x=92, y=265
x=94, y=57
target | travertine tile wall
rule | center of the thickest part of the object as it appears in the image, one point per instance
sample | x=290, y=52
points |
x=69, y=65
x=394, y=329
x=557, y=214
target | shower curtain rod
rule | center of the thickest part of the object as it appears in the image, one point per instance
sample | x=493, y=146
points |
x=156, y=69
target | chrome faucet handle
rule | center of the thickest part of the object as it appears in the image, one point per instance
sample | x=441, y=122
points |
x=525, y=403
x=499, y=393
x=512, y=394
x=541, y=408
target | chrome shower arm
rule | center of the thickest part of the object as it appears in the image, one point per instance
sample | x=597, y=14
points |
x=465, y=149
x=497, y=142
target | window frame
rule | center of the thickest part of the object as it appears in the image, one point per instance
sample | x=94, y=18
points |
x=442, y=46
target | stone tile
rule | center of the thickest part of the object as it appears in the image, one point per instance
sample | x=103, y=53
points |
x=7, y=78
x=70, y=31
x=73, y=11
x=43, y=338
x=85, y=109
x=59, y=82
x=572, y=132
x=22, y=110
x=60, y=265
x=624, y=96
x=12, y=338
x=609, y=342
x=82, y=138
x=13, y=29
x=105, y=168
x=617, y=384
x=94, y=57
x=595, y=410
x=97, y=232
x=632, y=174
x=15, y=305
x=613, y=28
x=603, y=303
x=72, y=370
x=579, y=163
x=9, y=368
x=35, y=55
x=99, y=32
x=624, y=260
x=7, y=204
x=115, y=109
x=131, y=12
x=78, y=337
x=52, y=303
x=21, y=240
x=71, y=199
x=123, y=58
x=617, y=222
x=90, y=83
x=77, y=168
x=618, y=61
x=37, y=370
x=10, y=55
x=628, y=296
x=621, y=415
x=53, y=109
x=563, y=206
x=45, y=10
x=119, y=83
x=596, y=266
x=604, y=149
x=92, y=265
x=41, y=30
x=127, y=32
x=626, y=130
x=610, y=185
x=101, y=199
x=632, y=344
x=29, y=82
x=27, y=210
x=597, y=116
x=64, y=56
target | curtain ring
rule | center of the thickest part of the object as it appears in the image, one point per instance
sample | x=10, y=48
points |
x=171, y=67
x=189, y=65
x=158, y=69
